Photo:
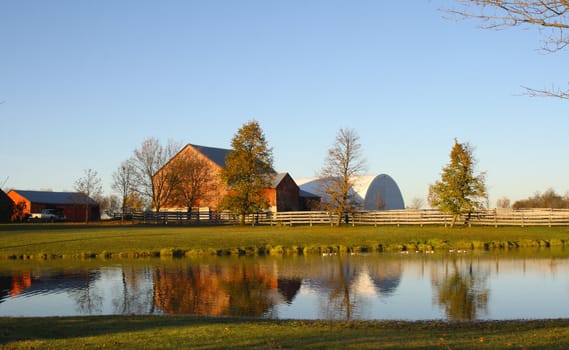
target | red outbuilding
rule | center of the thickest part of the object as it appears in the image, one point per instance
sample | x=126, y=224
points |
x=75, y=205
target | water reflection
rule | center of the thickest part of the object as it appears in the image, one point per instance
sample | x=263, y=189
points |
x=385, y=286
x=461, y=290
x=345, y=284
x=237, y=289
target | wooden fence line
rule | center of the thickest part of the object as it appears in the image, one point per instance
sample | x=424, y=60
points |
x=494, y=217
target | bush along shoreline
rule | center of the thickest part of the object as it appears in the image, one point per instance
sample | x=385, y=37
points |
x=434, y=246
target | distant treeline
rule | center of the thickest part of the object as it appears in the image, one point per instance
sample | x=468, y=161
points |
x=549, y=199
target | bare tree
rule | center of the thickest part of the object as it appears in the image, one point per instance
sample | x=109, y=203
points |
x=4, y=182
x=124, y=183
x=551, y=16
x=417, y=203
x=148, y=161
x=547, y=199
x=196, y=181
x=503, y=203
x=343, y=163
x=89, y=186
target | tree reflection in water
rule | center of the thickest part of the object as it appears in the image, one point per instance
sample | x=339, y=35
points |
x=341, y=302
x=136, y=295
x=88, y=298
x=462, y=291
x=349, y=282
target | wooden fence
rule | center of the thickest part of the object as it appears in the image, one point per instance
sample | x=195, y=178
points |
x=495, y=217
x=180, y=217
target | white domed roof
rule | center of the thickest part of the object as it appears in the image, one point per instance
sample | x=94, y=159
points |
x=375, y=192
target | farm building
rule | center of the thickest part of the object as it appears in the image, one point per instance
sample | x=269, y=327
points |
x=373, y=192
x=6, y=207
x=72, y=203
x=283, y=194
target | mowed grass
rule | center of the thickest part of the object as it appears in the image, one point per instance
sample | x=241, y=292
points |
x=175, y=332
x=99, y=240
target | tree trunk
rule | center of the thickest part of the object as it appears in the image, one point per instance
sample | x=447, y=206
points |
x=454, y=218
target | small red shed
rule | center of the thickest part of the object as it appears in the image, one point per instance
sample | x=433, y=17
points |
x=72, y=203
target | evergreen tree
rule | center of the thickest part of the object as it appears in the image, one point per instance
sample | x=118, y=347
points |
x=459, y=191
x=248, y=171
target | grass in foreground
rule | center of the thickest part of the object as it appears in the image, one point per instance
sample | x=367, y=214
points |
x=45, y=240
x=155, y=332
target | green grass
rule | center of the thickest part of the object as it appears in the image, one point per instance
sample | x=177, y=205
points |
x=155, y=332
x=104, y=241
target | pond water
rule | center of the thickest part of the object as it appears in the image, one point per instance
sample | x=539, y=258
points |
x=454, y=286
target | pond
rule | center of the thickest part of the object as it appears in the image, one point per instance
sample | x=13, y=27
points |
x=453, y=286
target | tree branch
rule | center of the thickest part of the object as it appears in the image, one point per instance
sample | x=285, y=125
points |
x=554, y=92
x=552, y=15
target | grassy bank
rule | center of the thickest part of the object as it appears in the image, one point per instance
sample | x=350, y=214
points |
x=89, y=241
x=151, y=332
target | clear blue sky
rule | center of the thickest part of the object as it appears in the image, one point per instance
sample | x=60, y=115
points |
x=83, y=83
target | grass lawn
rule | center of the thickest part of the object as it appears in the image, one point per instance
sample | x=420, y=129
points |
x=99, y=240
x=155, y=332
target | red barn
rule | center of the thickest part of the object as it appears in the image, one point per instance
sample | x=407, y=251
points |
x=282, y=195
x=72, y=203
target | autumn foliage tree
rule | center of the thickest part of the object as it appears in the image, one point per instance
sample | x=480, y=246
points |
x=247, y=172
x=459, y=191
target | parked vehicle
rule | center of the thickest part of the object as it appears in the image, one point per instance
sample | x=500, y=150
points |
x=48, y=215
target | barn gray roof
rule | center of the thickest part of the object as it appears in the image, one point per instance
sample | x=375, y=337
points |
x=217, y=155
x=61, y=198
x=277, y=178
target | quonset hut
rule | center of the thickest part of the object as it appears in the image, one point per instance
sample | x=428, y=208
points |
x=374, y=192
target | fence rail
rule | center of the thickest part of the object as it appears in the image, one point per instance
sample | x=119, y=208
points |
x=495, y=217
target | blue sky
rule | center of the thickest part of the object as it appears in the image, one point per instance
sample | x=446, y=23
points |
x=83, y=83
